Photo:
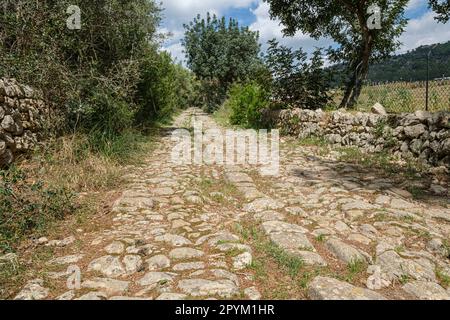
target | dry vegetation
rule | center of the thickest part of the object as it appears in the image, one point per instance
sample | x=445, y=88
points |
x=404, y=96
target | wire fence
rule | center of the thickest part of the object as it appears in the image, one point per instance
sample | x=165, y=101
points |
x=404, y=96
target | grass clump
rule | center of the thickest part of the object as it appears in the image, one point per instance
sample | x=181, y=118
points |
x=29, y=206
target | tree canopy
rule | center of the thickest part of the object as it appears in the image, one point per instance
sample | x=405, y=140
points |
x=346, y=22
x=220, y=52
x=442, y=8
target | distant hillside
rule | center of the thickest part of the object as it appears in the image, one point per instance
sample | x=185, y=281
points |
x=411, y=66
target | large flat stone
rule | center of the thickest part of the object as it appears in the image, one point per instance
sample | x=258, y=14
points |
x=280, y=226
x=323, y=288
x=33, y=290
x=108, y=265
x=108, y=286
x=396, y=267
x=424, y=290
x=153, y=278
x=263, y=204
x=344, y=252
x=204, y=288
x=185, y=253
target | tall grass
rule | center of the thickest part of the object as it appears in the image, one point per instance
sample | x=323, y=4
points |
x=45, y=187
x=403, y=96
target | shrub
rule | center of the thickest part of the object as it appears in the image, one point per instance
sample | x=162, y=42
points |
x=246, y=102
x=27, y=206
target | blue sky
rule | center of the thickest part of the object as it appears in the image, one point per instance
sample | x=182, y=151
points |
x=422, y=29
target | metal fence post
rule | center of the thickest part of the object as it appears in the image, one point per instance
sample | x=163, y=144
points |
x=428, y=80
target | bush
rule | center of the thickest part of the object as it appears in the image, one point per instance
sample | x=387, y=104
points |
x=27, y=207
x=164, y=87
x=246, y=102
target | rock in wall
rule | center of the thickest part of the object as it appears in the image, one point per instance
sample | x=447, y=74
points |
x=24, y=116
x=422, y=135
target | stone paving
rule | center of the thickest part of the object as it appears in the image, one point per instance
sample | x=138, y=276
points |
x=168, y=239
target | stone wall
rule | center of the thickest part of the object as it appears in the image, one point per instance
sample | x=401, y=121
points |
x=421, y=135
x=24, y=118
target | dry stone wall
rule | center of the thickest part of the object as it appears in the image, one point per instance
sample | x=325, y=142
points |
x=24, y=118
x=420, y=135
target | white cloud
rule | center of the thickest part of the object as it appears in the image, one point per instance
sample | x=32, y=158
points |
x=420, y=31
x=178, y=12
x=424, y=31
x=269, y=29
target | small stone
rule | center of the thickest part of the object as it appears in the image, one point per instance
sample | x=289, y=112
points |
x=116, y=247
x=401, y=204
x=356, y=237
x=8, y=124
x=133, y=263
x=42, y=241
x=108, y=265
x=172, y=296
x=202, y=288
x=280, y=226
x=61, y=243
x=438, y=190
x=154, y=278
x=377, y=108
x=252, y=293
x=33, y=290
x=341, y=227
x=185, y=253
x=357, y=205
x=108, y=286
x=176, y=224
x=124, y=298
x=263, y=204
x=174, y=240
x=92, y=296
x=158, y=262
x=163, y=192
x=189, y=266
x=69, y=295
x=415, y=131
x=344, y=252
x=424, y=290
x=242, y=261
x=396, y=267
x=436, y=245
x=9, y=258
x=323, y=288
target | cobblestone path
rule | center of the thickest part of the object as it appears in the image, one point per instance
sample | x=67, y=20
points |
x=176, y=233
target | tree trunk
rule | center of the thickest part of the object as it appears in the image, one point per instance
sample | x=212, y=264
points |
x=348, y=91
x=360, y=76
x=359, y=71
x=360, y=68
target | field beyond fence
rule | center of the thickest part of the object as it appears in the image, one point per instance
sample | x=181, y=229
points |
x=399, y=97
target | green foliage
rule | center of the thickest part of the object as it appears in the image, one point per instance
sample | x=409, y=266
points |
x=101, y=76
x=220, y=53
x=175, y=88
x=346, y=23
x=411, y=66
x=295, y=81
x=27, y=206
x=442, y=8
x=246, y=102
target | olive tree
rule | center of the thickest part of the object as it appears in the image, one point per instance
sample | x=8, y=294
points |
x=349, y=24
